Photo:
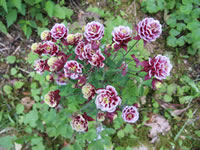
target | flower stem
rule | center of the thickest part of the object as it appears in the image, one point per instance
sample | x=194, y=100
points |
x=131, y=48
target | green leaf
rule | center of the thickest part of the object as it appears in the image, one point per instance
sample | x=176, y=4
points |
x=11, y=17
x=174, y=32
x=185, y=99
x=19, y=108
x=13, y=71
x=7, y=89
x=59, y=12
x=120, y=134
x=17, y=4
x=68, y=13
x=18, y=84
x=3, y=28
x=4, y=5
x=7, y=141
x=167, y=98
x=11, y=59
x=27, y=30
x=171, y=41
x=49, y=8
x=193, y=25
x=186, y=9
x=171, y=21
x=197, y=133
x=180, y=41
x=31, y=118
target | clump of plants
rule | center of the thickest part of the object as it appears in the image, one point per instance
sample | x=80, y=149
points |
x=85, y=77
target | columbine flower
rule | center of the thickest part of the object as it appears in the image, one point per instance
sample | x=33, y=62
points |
x=101, y=116
x=130, y=114
x=121, y=36
x=88, y=91
x=79, y=122
x=158, y=67
x=107, y=99
x=124, y=68
x=61, y=79
x=148, y=29
x=79, y=51
x=45, y=35
x=94, y=31
x=97, y=59
x=52, y=98
x=55, y=64
x=40, y=66
x=36, y=48
x=73, y=69
x=59, y=31
x=50, y=48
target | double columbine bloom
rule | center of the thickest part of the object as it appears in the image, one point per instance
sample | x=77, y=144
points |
x=73, y=69
x=59, y=31
x=148, y=29
x=157, y=68
x=107, y=99
x=88, y=51
x=130, y=114
x=94, y=31
x=121, y=36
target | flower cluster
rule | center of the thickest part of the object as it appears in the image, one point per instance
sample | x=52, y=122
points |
x=107, y=99
x=74, y=58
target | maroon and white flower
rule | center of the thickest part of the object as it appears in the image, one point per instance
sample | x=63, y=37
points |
x=50, y=77
x=97, y=59
x=88, y=91
x=55, y=63
x=121, y=36
x=79, y=50
x=101, y=116
x=79, y=123
x=158, y=67
x=59, y=31
x=40, y=66
x=52, y=98
x=36, y=48
x=130, y=114
x=124, y=68
x=50, y=48
x=94, y=31
x=73, y=69
x=148, y=29
x=107, y=99
x=45, y=35
x=61, y=78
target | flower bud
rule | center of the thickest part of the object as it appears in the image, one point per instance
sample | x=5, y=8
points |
x=52, y=98
x=45, y=35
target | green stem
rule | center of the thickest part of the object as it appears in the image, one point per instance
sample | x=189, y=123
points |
x=131, y=48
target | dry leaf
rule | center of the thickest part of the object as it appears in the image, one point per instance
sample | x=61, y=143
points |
x=158, y=125
x=28, y=103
